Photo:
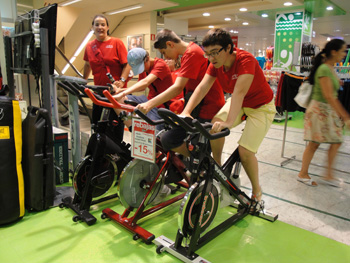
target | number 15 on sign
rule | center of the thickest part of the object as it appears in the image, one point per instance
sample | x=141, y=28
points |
x=143, y=140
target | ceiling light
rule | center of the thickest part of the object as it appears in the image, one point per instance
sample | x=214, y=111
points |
x=206, y=14
x=68, y=2
x=211, y=26
x=288, y=4
x=25, y=6
x=265, y=15
x=329, y=8
x=328, y=39
x=243, y=9
x=227, y=19
x=235, y=32
x=129, y=8
x=245, y=23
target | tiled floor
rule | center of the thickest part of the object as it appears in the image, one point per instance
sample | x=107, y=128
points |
x=323, y=209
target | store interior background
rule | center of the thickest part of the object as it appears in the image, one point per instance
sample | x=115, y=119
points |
x=323, y=211
x=186, y=18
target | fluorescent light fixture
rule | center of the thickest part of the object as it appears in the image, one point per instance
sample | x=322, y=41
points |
x=245, y=23
x=68, y=2
x=243, y=9
x=329, y=8
x=128, y=8
x=235, y=32
x=227, y=19
x=265, y=15
x=80, y=48
x=211, y=26
x=206, y=14
x=25, y=6
x=288, y=4
x=231, y=31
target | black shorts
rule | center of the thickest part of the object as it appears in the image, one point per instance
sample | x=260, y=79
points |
x=175, y=137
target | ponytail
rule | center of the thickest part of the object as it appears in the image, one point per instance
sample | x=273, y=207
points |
x=317, y=61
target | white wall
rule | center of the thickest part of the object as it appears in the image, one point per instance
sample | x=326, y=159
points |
x=180, y=27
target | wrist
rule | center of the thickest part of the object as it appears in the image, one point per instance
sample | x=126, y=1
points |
x=122, y=79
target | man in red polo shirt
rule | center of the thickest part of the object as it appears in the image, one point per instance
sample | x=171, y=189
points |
x=239, y=73
x=191, y=72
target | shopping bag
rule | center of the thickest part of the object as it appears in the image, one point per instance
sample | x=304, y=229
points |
x=304, y=94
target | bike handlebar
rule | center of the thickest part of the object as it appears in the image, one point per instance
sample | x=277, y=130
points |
x=202, y=129
x=130, y=108
x=175, y=121
x=98, y=100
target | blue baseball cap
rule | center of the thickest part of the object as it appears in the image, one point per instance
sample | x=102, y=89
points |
x=136, y=58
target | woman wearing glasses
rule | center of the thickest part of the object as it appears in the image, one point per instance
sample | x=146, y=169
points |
x=239, y=74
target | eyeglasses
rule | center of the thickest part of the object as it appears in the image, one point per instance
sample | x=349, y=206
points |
x=213, y=54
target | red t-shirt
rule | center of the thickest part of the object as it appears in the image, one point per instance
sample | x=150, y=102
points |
x=164, y=79
x=110, y=54
x=193, y=67
x=259, y=92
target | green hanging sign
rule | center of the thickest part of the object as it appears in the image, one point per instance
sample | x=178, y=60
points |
x=288, y=30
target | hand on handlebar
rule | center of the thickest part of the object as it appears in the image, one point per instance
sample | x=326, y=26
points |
x=119, y=96
x=144, y=107
x=218, y=126
x=184, y=114
x=119, y=84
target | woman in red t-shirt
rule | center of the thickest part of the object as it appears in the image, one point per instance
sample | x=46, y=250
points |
x=105, y=55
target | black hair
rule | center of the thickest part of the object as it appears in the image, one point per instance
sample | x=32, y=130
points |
x=163, y=36
x=102, y=16
x=218, y=36
x=334, y=44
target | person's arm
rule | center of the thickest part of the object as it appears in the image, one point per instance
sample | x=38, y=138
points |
x=138, y=86
x=327, y=92
x=165, y=96
x=240, y=91
x=199, y=93
x=125, y=74
x=87, y=70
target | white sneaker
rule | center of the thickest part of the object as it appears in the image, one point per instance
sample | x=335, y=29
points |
x=164, y=192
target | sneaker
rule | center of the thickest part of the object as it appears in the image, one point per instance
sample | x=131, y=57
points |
x=164, y=192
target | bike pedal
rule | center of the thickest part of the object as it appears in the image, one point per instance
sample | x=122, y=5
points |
x=173, y=189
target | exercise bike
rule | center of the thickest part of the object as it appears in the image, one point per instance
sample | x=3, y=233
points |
x=96, y=175
x=202, y=200
x=141, y=182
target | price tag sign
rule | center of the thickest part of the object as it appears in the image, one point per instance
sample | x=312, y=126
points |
x=143, y=140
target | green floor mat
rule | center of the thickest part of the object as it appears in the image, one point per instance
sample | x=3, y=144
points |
x=51, y=236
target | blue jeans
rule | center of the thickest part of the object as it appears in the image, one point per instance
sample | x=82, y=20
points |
x=152, y=114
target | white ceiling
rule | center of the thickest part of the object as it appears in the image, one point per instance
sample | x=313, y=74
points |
x=257, y=35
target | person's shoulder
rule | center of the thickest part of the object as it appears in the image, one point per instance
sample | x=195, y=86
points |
x=158, y=62
x=323, y=68
x=193, y=48
x=243, y=54
x=116, y=40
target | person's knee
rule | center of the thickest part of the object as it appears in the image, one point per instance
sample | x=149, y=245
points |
x=314, y=146
x=244, y=154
